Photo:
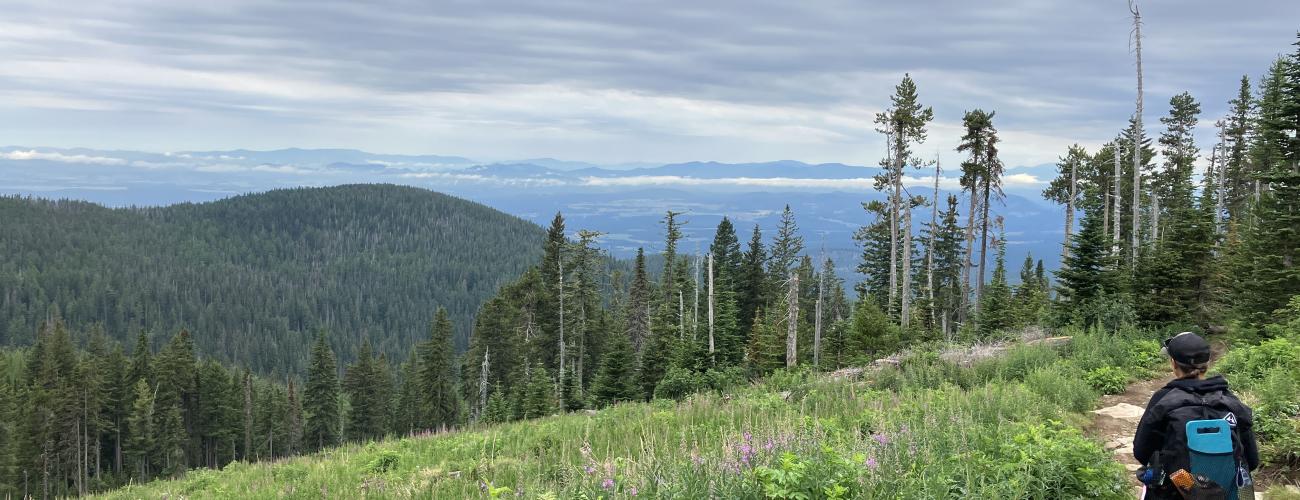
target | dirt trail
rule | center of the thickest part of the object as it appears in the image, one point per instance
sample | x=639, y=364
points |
x=1116, y=420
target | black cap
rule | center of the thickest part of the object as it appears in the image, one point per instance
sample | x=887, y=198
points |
x=1187, y=348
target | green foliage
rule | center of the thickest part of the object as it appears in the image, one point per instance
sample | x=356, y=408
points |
x=1107, y=379
x=1032, y=461
x=1061, y=384
x=676, y=384
x=1269, y=376
x=383, y=462
x=827, y=475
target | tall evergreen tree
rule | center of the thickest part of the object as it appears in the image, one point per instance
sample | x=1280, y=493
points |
x=321, y=399
x=751, y=289
x=1086, y=274
x=981, y=142
x=997, y=313
x=367, y=397
x=441, y=404
x=787, y=245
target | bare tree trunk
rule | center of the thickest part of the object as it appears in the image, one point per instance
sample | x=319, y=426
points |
x=792, y=331
x=1105, y=217
x=929, y=246
x=1137, y=130
x=681, y=316
x=1219, y=164
x=712, y=358
x=1069, y=208
x=1155, y=218
x=695, y=310
x=984, y=243
x=1118, y=200
x=817, y=321
x=906, y=309
x=969, y=262
x=895, y=169
x=483, y=384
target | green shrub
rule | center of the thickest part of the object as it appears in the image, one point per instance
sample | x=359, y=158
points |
x=786, y=380
x=1107, y=379
x=385, y=461
x=1032, y=462
x=1276, y=409
x=676, y=384
x=1247, y=366
x=1061, y=384
x=723, y=380
x=826, y=475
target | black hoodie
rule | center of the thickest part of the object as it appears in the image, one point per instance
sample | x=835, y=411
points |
x=1151, y=431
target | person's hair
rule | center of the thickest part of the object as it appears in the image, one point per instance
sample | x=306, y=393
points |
x=1191, y=370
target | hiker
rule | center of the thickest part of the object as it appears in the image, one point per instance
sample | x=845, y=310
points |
x=1162, y=439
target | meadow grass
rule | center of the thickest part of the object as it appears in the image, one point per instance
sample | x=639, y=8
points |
x=1004, y=428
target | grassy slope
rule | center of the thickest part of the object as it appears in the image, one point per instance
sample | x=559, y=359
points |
x=989, y=431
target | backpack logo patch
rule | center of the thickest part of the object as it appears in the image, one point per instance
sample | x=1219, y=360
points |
x=1232, y=419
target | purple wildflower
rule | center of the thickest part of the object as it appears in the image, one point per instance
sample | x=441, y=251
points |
x=871, y=463
x=880, y=439
x=633, y=491
x=607, y=483
x=769, y=445
x=747, y=436
x=589, y=469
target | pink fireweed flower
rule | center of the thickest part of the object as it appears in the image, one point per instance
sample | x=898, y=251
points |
x=632, y=491
x=871, y=463
x=880, y=439
x=589, y=469
x=607, y=483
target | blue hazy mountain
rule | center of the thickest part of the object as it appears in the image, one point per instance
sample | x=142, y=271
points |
x=625, y=202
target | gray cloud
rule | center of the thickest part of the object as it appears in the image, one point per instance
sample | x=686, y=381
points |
x=607, y=81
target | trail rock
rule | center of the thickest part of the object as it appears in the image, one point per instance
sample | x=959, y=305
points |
x=1123, y=411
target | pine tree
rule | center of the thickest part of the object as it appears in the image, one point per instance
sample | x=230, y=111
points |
x=996, y=311
x=366, y=396
x=570, y=395
x=321, y=399
x=498, y=410
x=539, y=400
x=1030, y=295
x=1086, y=275
x=1240, y=176
x=751, y=287
x=638, y=305
x=871, y=333
x=787, y=245
x=985, y=170
x=948, y=263
x=903, y=124
x=616, y=378
x=141, y=446
x=874, y=261
x=441, y=404
x=1172, y=280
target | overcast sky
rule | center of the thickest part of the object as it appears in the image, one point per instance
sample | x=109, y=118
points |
x=609, y=81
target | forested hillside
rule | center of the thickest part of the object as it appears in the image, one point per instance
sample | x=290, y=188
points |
x=252, y=277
